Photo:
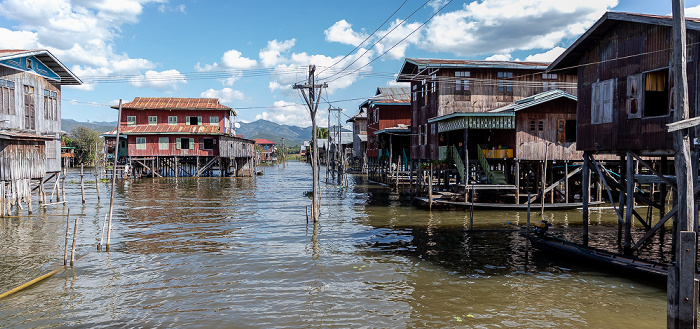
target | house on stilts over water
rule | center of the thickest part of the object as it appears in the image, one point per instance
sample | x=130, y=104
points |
x=181, y=137
x=624, y=64
x=497, y=130
x=30, y=122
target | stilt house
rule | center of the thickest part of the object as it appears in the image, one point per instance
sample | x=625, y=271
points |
x=624, y=64
x=267, y=154
x=30, y=116
x=359, y=138
x=388, y=122
x=182, y=137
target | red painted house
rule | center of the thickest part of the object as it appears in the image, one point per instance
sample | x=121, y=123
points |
x=388, y=123
x=188, y=130
x=268, y=149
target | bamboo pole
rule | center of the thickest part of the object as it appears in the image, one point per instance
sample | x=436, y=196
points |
x=75, y=234
x=102, y=234
x=114, y=176
x=82, y=183
x=65, y=247
x=97, y=177
x=63, y=185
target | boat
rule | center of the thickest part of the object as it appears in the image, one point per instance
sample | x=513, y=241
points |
x=628, y=265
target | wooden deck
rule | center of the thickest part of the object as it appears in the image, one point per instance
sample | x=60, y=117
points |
x=437, y=202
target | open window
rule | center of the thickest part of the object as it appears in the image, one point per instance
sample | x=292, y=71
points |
x=649, y=94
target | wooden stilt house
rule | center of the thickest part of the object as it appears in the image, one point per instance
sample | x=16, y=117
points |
x=30, y=120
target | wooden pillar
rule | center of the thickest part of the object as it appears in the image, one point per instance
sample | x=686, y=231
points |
x=566, y=181
x=585, y=191
x=82, y=182
x=466, y=158
x=622, y=197
x=629, y=202
x=430, y=188
x=517, y=181
x=543, y=171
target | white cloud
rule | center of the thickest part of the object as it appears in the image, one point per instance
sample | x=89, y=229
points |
x=225, y=95
x=693, y=12
x=394, y=34
x=79, y=32
x=270, y=56
x=291, y=114
x=502, y=26
x=499, y=57
x=547, y=57
x=164, y=81
x=342, y=32
x=232, y=59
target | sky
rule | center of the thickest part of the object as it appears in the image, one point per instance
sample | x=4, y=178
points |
x=249, y=54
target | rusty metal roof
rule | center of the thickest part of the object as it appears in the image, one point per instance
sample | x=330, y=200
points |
x=173, y=103
x=413, y=66
x=18, y=135
x=48, y=59
x=566, y=61
x=167, y=130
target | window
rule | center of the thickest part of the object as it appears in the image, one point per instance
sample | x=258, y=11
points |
x=29, y=109
x=51, y=149
x=214, y=121
x=532, y=126
x=7, y=97
x=505, y=87
x=184, y=143
x=172, y=120
x=163, y=143
x=649, y=94
x=194, y=121
x=549, y=86
x=601, y=101
x=140, y=143
x=566, y=131
x=152, y=120
x=30, y=65
x=208, y=143
x=50, y=105
x=433, y=83
x=549, y=76
x=130, y=120
x=462, y=84
x=540, y=125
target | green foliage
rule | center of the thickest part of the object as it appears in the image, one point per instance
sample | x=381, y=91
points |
x=321, y=133
x=84, y=140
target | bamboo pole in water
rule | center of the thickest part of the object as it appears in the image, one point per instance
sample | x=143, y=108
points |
x=63, y=185
x=114, y=175
x=102, y=234
x=65, y=247
x=82, y=182
x=97, y=177
x=75, y=234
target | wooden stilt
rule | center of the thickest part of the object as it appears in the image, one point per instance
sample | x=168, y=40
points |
x=75, y=236
x=517, y=181
x=82, y=183
x=629, y=202
x=65, y=247
x=585, y=197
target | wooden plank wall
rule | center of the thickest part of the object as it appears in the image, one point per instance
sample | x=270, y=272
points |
x=21, y=160
x=152, y=147
x=232, y=147
x=162, y=116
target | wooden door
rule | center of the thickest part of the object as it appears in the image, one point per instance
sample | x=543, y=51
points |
x=29, y=113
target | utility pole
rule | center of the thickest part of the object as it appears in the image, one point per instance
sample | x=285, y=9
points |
x=283, y=154
x=682, y=285
x=337, y=143
x=312, y=100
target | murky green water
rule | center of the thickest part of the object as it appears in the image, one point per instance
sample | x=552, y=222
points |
x=237, y=253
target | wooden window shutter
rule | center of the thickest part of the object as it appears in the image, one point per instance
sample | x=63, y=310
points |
x=199, y=120
x=177, y=143
x=595, y=102
x=671, y=92
x=187, y=121
x=634, y=96
x=561, y=131
x=191, y=143
x=608, y=94
x=201, y=143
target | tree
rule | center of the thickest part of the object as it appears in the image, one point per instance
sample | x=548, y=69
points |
x=84, y=140
x=322, y=133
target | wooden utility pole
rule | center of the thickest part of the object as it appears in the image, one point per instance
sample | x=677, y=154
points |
x=682, y=285
x=312, y=100
x=114, y=175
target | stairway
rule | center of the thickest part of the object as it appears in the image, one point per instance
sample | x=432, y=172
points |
x=497, y=177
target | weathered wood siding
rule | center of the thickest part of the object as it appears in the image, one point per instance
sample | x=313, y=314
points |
x=22, y=160
x=616, y=56
x=233, y=147
x=422, y=109
x=531, y=145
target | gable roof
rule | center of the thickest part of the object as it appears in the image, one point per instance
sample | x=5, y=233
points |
x=386, y=95
x=414, y=66
x=67, y=77
x=173, y=103
x=533, y=100
x=566, y=61
x=263, y=141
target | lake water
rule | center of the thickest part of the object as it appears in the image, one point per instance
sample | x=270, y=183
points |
x=238, y=253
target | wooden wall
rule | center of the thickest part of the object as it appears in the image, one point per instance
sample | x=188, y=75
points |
x=233, y=147
x=21, y=159
x=152, y=147
x=533, y=145
x=626, y=40
x=162, y=117
x=389, y=116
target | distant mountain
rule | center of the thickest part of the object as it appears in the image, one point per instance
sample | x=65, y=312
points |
x=68, y=124
x=292, y=135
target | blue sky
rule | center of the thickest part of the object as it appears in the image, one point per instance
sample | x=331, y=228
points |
x=250, y=53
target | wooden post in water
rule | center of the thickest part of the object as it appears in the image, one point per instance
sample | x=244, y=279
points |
x=82, y=183
x=517, y=181
x=527, y=225
x=682, y=285
x=585, y=197
x=566, y=181
x=97, y=176
x=430, y=188
x=471, y=211
x=75, y=234
x=629, y=202
x=2, y=199
x=63, y=185
x=114, y=176
x=102, y=234
x=65, y=247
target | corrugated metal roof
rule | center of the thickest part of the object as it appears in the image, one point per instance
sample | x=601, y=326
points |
x=167, y=129
x=565, y=62
x=412, y=66
x=263, y=141
x=173, y=103
x=359, y=116
x=18, y=135
x=533, y=100
x=48, y=59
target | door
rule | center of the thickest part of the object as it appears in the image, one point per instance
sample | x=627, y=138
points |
x=29, y=115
